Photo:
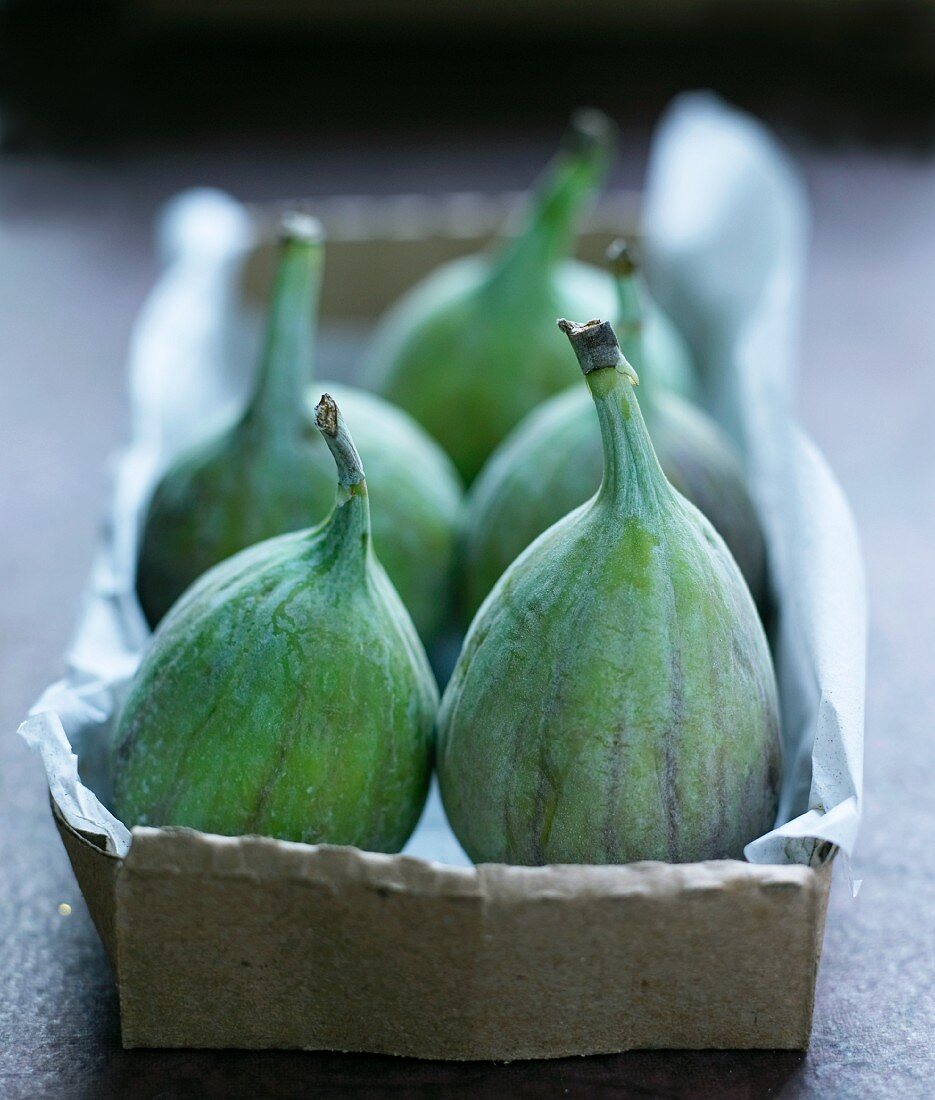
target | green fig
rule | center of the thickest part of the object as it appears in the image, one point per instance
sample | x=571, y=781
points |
x=287, y=693
x=553, y=461
x=467, y=351
x=615, y=697
x=270, y=471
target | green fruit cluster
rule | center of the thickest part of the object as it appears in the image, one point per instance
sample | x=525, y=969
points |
x=614, y=698
x=553, y=461
x=270, y=471
x=287, y=692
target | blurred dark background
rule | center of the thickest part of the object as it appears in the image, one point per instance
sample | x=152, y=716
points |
x=79, y=75
x=108, y=108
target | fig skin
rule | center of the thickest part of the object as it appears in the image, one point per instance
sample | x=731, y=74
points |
x=270, y=472
x=468, y=351
x=286, y=694
x=615, y=697
x=553, y=461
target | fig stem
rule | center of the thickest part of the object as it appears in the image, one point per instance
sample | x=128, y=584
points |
x=631, y=468
x=590, y=132
x=331, y=424
x=620, y=259
x=625, y=271
x=278, y=404
x=568, y=185
x=595, y=345
x=300, y=227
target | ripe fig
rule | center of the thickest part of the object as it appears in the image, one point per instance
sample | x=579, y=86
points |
x=270, y=471
x=552, y=462
x=467, y=352
x=615, y=697
x=287, y=693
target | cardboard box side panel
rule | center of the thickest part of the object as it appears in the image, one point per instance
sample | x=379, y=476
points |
x=718, y=968
x=238, y=958
x=369, y=263
x=96, y=872
x=362, y=279
x=824, y=875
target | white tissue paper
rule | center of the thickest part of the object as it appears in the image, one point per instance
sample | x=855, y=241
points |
x=725, y=230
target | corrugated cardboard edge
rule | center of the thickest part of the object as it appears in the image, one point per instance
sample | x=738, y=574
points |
x=96, y=872
x=256, y=943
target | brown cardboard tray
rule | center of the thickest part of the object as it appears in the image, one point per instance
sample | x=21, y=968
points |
x=256, y=943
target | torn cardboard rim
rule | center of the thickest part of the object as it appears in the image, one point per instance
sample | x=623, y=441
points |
x=257, y=857
x=255, y=943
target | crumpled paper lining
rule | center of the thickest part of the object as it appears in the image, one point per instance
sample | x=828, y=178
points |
x=725, y=229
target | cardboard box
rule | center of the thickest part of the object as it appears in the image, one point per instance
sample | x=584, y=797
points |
x=256, y=943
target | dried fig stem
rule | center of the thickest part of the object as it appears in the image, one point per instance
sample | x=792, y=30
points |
x=596, y=347
x=331, y=425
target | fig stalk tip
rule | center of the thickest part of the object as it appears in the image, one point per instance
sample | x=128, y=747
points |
x=331, y=424
x=301, y=227
x=326, y=415
x=590, y=130
x=621, y=259
x=595, y=344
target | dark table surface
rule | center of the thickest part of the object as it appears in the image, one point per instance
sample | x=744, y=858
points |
x=75, y=265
